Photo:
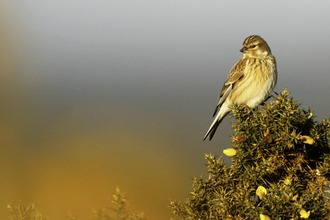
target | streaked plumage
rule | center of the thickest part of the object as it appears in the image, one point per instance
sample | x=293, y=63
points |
x=249, y=82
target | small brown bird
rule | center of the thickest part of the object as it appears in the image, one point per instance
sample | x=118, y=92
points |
x=249, y=82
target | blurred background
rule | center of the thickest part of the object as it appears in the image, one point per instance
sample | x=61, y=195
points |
x=99, y=94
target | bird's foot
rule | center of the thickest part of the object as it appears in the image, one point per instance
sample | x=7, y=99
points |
x=246, y=107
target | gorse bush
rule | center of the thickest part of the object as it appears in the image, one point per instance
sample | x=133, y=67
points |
x=117, y=211
x=280, y=168
x=21, y=212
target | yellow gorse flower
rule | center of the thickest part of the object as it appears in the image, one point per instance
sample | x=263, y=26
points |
x=307, y=140
x=230, y=152
x=287, y=181
x=264, y=217
x=304, y=214
x=261, y=192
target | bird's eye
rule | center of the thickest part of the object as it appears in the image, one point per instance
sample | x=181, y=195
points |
x=253, y=46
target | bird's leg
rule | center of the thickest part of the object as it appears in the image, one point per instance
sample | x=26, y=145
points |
x=246, y=107
x=263, y=103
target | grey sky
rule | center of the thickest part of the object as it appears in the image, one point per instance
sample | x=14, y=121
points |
x=185, y=43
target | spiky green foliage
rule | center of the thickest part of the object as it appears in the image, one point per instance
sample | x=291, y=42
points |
x=22, y=212
x=279, y=147
x=118, y=210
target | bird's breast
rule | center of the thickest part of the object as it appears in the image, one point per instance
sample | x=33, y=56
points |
x=257, y=83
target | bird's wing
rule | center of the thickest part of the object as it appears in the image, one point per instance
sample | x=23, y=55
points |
x=235, y=75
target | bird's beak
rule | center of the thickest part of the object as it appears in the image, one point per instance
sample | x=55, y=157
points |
x=243, y=49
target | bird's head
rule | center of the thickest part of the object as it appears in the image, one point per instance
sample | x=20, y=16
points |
x=255, y=46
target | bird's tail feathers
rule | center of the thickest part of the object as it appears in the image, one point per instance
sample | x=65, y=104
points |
x=222, y=98
x=224, y=110
x=216, y=110
x=212, y=129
